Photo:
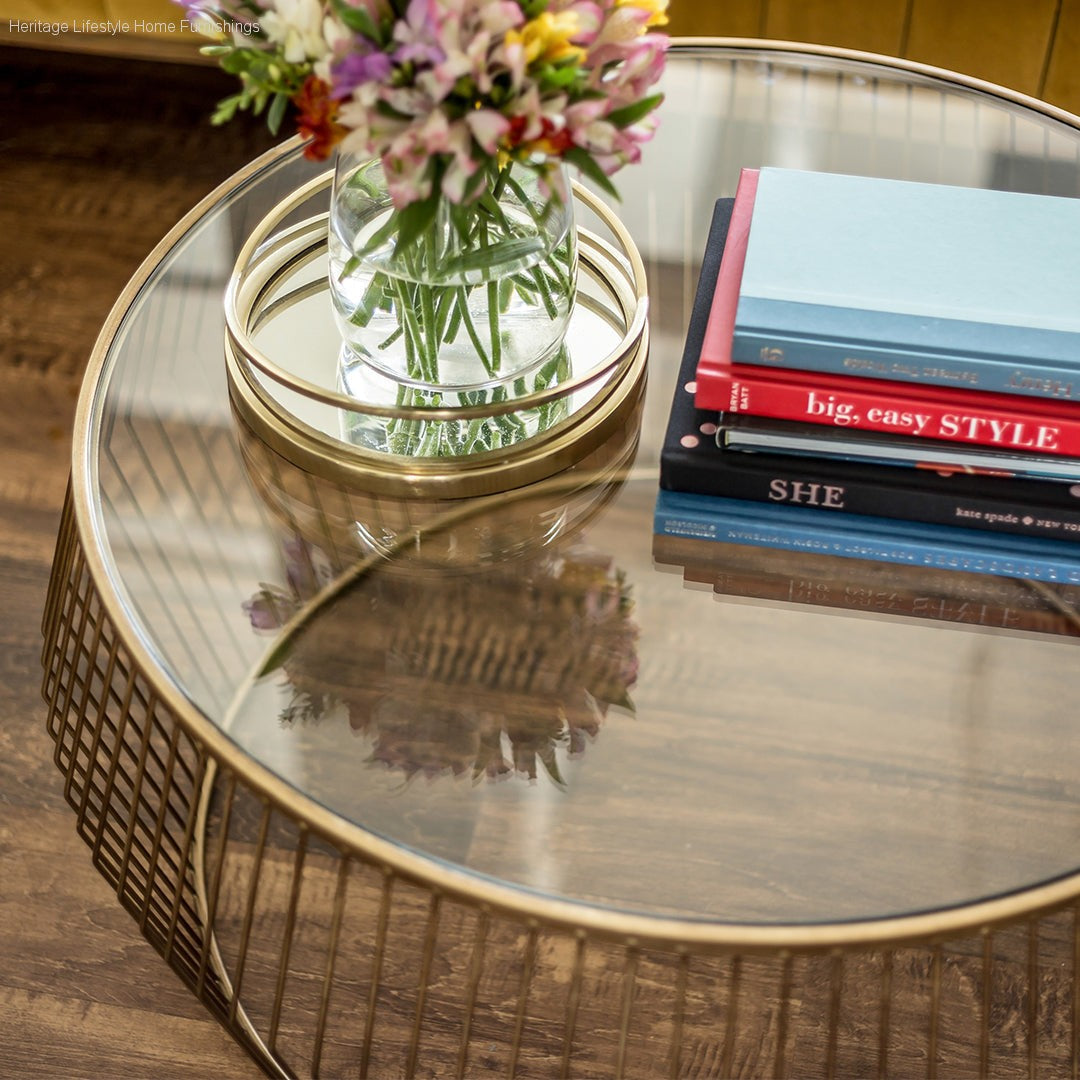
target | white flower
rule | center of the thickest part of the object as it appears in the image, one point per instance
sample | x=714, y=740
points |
x=296, y=25
x=337, y=41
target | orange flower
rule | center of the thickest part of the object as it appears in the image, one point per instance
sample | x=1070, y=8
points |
x=317, y=121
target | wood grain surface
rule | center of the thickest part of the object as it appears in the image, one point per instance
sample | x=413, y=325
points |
x=98, y=159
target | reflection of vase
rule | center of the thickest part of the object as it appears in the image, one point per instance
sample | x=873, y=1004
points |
x=349, y=521
x=464, y=306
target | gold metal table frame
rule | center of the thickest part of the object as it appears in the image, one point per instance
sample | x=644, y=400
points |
x=328, y=950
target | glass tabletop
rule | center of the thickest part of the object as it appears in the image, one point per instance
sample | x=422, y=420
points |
x=531, y=687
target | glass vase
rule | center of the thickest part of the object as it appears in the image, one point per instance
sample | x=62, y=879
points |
x=471, y=309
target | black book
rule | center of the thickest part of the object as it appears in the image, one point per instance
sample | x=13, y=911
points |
x=691, y=461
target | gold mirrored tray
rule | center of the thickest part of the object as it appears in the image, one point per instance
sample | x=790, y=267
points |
x=282, y=350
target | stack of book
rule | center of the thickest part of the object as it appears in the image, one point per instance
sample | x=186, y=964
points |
x=883, y=370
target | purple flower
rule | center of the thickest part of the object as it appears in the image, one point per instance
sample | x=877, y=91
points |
x=355, y=68
x=418, y=34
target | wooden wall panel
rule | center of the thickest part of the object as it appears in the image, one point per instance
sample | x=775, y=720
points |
x=153, y=18
x=710, y=18
x=1001, y=41
x=850, y=24
x=1063, y=78
x=1032, y=47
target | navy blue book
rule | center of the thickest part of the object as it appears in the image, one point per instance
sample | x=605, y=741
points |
x=691, y=461
x=930, y=283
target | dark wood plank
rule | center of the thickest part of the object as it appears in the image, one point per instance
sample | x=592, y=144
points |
x=97, y=161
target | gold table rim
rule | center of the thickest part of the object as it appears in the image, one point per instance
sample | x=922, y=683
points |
x=633, y=929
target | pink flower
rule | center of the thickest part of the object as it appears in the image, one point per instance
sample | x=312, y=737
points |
x=406, y=167
x=643, y=64
x=622, y=25
x=487, y=128
x=583, y=116
x=416, y=34
x=589, y=15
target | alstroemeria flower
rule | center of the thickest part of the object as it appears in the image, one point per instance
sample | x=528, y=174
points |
x=296, y=25
x=548, y=37
x=656, y=10
x=407, y=167
x=355, y=68
x=487, y=127
x=317, y=120
x=417, y=34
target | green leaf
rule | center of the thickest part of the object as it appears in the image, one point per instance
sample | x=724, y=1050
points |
x=362, y=180
x=277, y=112
x=358, y=20
x=371, y=300
x=507, y=251
x=236, y=61
x=226, y=109
x=583, y=161
x=531, y=8
x=560, y=77
x=631, y=114
x=546, y=374
x=415, y=219
x=472, y=185
x=506, y=292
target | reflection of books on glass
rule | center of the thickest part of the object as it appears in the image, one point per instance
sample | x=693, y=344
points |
x=927, y=283
x=954, y=412
x=692, y=461
x=869, y=586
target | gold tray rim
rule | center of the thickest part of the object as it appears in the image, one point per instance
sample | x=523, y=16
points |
x=272, y=252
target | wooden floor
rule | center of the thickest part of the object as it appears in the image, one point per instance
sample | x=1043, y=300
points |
x=98, y=158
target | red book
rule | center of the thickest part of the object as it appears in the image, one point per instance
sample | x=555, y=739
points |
x=973, y=416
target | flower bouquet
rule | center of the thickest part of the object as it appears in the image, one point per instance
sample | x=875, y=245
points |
x=453, y=261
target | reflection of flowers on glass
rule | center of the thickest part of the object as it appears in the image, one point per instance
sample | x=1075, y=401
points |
x=482, y=675
x=306, y=572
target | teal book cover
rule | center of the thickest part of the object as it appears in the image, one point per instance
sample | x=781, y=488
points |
x=910, y=281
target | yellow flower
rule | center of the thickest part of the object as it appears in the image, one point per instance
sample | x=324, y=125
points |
x=657, y=10
x=547, y=37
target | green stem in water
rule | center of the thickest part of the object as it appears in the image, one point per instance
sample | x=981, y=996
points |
x=493, y=326
x=414, y=336
x=470, y=329
x=430, y=334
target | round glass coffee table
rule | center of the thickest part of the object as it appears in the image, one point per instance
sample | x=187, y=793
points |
x=503, y=784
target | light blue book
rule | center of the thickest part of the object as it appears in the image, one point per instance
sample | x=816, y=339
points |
x=794, y=528
x=928, y=283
